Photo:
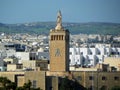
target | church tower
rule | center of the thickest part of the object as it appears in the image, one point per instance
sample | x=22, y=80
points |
x=59, y=47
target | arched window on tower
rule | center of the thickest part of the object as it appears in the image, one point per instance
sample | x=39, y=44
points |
x=51, y=37
x=62, y=37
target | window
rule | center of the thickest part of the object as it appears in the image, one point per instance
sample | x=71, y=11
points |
x=52, y=37
x=81, y=53
x=116, y=78
x=91, y=78
x=9, y=62
x=32, y=58
x=112, y=53
x=38, y=65
x=104, y=78
x=19, y=66
x=62, y=37
x=118, y=53
x=79, y=78
x=70, y=53
x=90, y=53
x=99, y=53
x=34, y=83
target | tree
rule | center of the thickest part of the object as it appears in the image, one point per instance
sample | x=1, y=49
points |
x=28, y=85
x=12, y=85
x=20, y=88
x=7, y=84
x=67, y=84
x=116, y=88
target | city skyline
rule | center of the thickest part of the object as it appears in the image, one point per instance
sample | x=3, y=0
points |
x=24, y=11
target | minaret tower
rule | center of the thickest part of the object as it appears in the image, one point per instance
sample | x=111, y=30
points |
x=59, y=47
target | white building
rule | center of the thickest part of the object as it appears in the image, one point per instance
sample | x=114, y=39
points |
x=2, y=56
x=91, y=56
x=22, y=56
x=27, y=56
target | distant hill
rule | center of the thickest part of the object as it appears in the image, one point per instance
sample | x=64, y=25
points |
x=74, y=28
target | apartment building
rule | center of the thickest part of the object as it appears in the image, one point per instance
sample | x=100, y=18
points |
x=90, y=56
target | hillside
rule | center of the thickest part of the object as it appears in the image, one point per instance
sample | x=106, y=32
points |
x=74, y=28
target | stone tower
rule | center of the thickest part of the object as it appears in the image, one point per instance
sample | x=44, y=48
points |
x=59, y=47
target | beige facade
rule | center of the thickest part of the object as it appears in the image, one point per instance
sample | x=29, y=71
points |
x=56, y=73
x=20, y=80
x=50, y=80
x=98, y=80
x=23, y=55
x=29, y=64
x=59, y=47
x=83, y=69
x=35, y=65
x=113, y=62
x=91, y=80
x=10, y=60
x=11, y=75
x=98, y=67
x=36, y=77
x=14, y=67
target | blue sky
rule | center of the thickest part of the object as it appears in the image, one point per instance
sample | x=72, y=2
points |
x=21, y=11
